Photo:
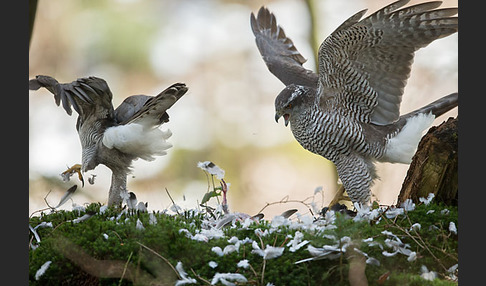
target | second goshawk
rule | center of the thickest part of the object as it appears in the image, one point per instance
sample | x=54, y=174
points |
x=349, y=111
x=114, y=137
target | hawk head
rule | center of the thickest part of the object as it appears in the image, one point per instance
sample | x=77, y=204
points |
x=291, y=101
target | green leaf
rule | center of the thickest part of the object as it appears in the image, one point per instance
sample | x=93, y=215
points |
x=208, y=196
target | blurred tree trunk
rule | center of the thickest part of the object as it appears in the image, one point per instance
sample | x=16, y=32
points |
x=314, y=41
x=32, y=11
x=434, y=166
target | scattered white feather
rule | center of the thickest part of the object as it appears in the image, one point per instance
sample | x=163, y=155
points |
x=42, y=270
x=43, y=224
x=453, y=268
x=225, y=278
x=393, y=212
x=243, y=264
x=452, y=227
x=408, y=205
x=279, y=220
x=139, y=225
x=132, y=201
x=427, y=200
x=416, y=226
x=212, y=169
x=217, y=250
x=269, y=252
x=36, y=235
x=402, y=147
x=185, y=279
x=412, y=256
x=296, y=243
x=137, y=140
x=426, y=274
x=231, y=248
x=103, y=209
x=83, y=218
x=175, y=208
x=141, y=207
x=445, y=212
x=152, y=219
x=213, y=264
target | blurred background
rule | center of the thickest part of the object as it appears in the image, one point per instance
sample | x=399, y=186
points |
x=227, y=116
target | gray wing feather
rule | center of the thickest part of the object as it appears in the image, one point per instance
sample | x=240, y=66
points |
x=130, y=106
x=153, y=109
x=82, y=94
x=365, y=65
x=279, y=52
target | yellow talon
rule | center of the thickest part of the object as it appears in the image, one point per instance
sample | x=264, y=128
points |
x=70, y=171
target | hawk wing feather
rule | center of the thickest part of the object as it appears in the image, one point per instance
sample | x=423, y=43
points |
x=82, y=94
x=364, y=65
x=153, y=111
x=279, y=52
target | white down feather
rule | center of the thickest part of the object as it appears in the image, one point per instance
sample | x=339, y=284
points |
x=402, y=147
x=138, y=140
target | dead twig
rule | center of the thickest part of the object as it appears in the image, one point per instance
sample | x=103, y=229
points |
x=161, y=257
x=286, y=199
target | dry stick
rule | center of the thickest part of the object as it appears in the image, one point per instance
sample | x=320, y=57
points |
x=264, y=260
x=160, y=256
x=424, y=244
x=285, y=200
x=125, y=268
x=177, y=211
x=199, y=277
x=41, y=210
x=253, y=269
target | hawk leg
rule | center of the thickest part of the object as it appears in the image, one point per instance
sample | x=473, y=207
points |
x=357, y=174
x=66, y=175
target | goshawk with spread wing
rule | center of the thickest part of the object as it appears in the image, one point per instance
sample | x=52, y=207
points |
x=114, y=137
x=349, y=111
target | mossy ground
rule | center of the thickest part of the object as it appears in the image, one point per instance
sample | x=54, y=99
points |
x=110, y=237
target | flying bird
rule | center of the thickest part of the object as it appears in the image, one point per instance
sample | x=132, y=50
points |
x=348, y=112
x=114, y=137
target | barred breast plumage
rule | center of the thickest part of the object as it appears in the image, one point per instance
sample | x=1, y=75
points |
x=349, y=111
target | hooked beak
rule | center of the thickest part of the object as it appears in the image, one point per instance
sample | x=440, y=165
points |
x=286, y=118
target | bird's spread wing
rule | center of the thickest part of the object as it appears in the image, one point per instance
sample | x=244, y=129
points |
x=279, y=53
x=82, y=94
x=364, y=65
x=147, y=110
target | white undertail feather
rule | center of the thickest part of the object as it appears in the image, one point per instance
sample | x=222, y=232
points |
x=402, y=147
x=138, y=140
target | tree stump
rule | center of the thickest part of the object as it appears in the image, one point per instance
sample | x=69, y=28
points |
x=434, y=166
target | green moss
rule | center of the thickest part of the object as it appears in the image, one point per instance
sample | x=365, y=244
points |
x=151, y=250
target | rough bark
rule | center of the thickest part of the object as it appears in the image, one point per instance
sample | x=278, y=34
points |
x=434, y=166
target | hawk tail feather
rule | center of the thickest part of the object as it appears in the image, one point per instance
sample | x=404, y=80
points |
x=134, y=139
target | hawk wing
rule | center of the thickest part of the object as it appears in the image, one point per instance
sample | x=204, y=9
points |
x=364, y=65
x=85, y=94
x=149, y=110
x=279, y=53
